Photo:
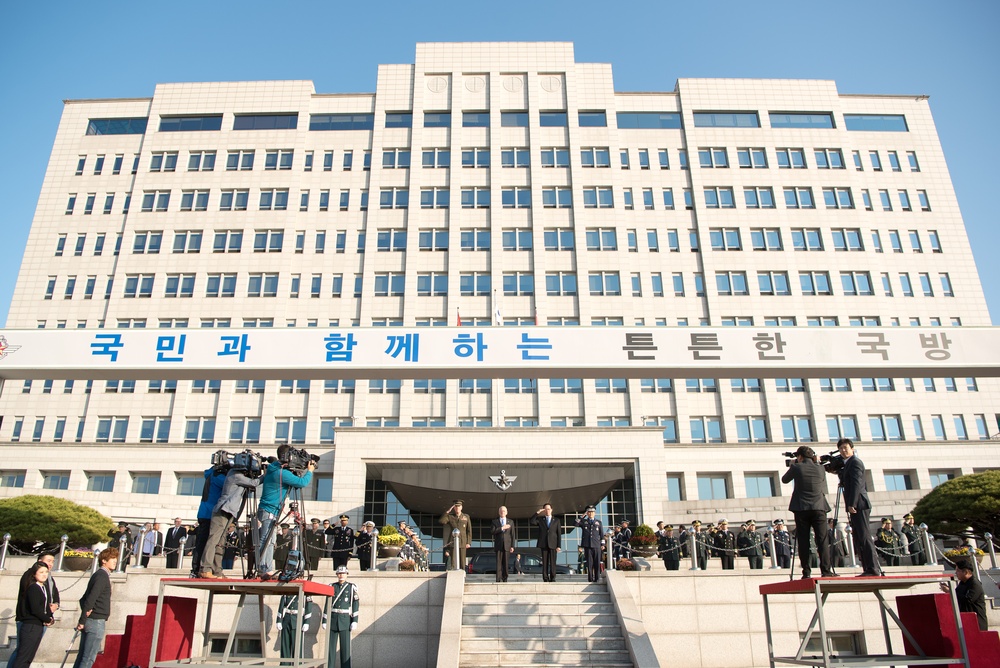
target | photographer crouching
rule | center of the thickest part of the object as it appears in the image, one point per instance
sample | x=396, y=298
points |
x=809, y=505
x=278, y=479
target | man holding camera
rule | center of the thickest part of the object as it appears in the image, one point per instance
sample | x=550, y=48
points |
x=809, y=505
x=852, y=479
x=227, y=510
x=275, y=485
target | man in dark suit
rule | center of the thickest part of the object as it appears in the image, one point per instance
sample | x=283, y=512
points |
x=503, y=543
x=852, y=479
x=549, y=530
x=172, y=542
x=809, y=505
x=590, y=541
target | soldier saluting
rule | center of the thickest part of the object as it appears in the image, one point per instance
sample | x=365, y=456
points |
x=342, y=542
x=669, y=548
x=454, y=518
x=590, y=541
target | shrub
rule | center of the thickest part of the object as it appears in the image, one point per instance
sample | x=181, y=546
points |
x=967, y=501
x=625, y=564
x=388, y=535
x=33, y=519
x=407, y=565
x=644, y=536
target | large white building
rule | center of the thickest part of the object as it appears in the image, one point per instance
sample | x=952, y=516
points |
x=485, y=185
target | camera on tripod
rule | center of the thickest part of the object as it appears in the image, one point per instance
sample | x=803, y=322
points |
x=297, y=460
x=833, y=462
x=248, y=462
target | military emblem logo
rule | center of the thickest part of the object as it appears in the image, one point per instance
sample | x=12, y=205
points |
x=503, y=481
x=6, y=348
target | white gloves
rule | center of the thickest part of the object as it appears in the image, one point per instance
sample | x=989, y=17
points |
x=354, y=625
x=278, y=625
x=305, y=628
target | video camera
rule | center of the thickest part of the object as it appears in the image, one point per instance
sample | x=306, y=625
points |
x=248, y=462
x=297, y=460
x=833, y=462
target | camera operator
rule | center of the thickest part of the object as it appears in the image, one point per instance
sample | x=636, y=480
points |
x=276, y=482
x=227, y=510
x=852, y=479
x=809, y=505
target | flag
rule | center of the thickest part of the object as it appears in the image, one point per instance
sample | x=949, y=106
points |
x=536, y=316
x=459, y=317
x=497, y=316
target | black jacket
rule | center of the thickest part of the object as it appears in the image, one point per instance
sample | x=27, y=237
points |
x=852, y=477
x=502, y=540
x=97, y=598
x=810, y=486
x=548, y=536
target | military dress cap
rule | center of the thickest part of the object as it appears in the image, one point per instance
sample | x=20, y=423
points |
x=885, y=519
x=696, y=523
x=624, y=521
x=749, y=522
x=591, y=509
x=344, y=517
x=723, y=521
x=777, y=522
x=123, y=523
x=342, y=569
x=458, y=502
x=369, y=523
x=285, y=525
x=314, y=520
x=908, y=516
x=669, y=527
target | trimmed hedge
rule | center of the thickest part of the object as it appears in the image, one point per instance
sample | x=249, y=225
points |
x=33, y=519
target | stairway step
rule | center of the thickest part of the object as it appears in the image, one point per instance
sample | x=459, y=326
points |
x=535, y=658
x=542, y=644
x=535, y=597
x=541, y=619
x=532, y=587
x=529, y=608
x=541, y=631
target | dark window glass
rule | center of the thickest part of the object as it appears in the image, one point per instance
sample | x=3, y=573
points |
x=553, y=119
x=403, y=119
x=266, y=122
x=117, y=126
x=801, y=120
x=190, y=123
x=342, y=121
x=514, y=119
x=876, y=123
x=644, y=120
x=593, y=119
x=726, y=119
x=437, y=120
x=475, y=119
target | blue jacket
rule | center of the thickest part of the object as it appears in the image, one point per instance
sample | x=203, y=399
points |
x=276, y=483
x=214, y=492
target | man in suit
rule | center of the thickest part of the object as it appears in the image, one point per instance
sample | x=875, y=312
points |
x=590, y=541
x=852, y=479
x=810, y=507
x=549, y=533
x=503, y=543
x=172, y=542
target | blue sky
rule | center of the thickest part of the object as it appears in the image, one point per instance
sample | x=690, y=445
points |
x=51, y=51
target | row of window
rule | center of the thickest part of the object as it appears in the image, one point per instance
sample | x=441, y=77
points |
x=511, y=157
x=514, y=118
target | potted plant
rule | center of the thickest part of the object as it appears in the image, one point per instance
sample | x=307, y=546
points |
x=964, y=553
x=408, y=565
x=643, y=541
x=625, y=564
x=78, y=559
x=389, y=542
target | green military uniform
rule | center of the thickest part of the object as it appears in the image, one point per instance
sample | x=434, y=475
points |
x=282, y=547
x=669, y=548
x=315, y=546
x=343, y=616
x=889, y=544
x=463, y=523
x=914, y=546
x=287, y=621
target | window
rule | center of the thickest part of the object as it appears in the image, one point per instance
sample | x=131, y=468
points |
x=516, y=239
x=439, y=119
x=710, y=158
x=791, y=158
x=55, y=480
x=604, y=283
x=856, y=283
x=182, y=124
x=904, y=200
x=602, y=239
x=751, y=158
x=234, y=200
x=838, y=198
x=194, y=200
x=154, y=430
x=598, y=197
x=101, y=482
x=187, y=241
x=273, y=199
x=481, y=119
x=70, y=204
x=268, y=241
x=476, y=157
x=155, y=199
x=145, y=483
x=648, y=120
x=555, y=157
x=476, y=198
x=432, y=240
x=815, y=283
x=765, y=238
x=389, y=284
x=475, y=239
x=799, y=198
x=220, y=285
x=894, y=240
x=946, y=289
x=925, y=285
x=796, y=429
x=829, y=158
x=875, y=122
x=120, y=126
x=719, y=198
x=751, y=429
x=139, y=285
x=515, y=198
x=515, y=157
x=179, y=285
x=801, y=120
x=889, y=427
x=773, y=283
x=432, y=284
x=227, y=241
x=391, y=240
x=595, y=157
x=436, y=158
x=266, y=122
x=623, y=157
x=262, y=285
x=560, y=238
x=726, y=120
x=240, y=160
x=112, y=429
x=842, y=426
x=474, y=283
x=593, y=119
x=165, y=161
x=731, y=283
x=758, y=198
x=290, y=430
x=725, y=238
x=560, y=197
x=244, y=430
x=847, y=239
x=663, y=156
x=552, y=119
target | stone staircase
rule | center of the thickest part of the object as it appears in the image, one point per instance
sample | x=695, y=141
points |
x=527, y=622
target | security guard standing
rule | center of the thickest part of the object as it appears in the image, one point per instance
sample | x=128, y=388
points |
x=670, y=549
x=590, y=541
x=344, y=618
x=454, y=518
x=342, y=542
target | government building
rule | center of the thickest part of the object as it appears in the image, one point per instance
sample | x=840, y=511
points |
x=484, y=186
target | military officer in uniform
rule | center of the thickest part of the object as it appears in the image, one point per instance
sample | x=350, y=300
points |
x=454, y=518
x=669, y=548
x=282, y=546
x=888, y=543
x=782, y=544
x=364, y=540
x=684, y=537
x=725, y=545
x=315, y=542
x=914, y=547
x=701, y=542
x=287, y=621
x=344, y=606
x=753, y=546
x=341, y=542
x=590, y=541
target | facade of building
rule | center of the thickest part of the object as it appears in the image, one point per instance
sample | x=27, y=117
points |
x=489, y=185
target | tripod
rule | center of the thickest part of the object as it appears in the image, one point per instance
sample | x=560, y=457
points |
x=296, y=564
x=795, y=536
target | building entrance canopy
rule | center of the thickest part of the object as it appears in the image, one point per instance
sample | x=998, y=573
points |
x=494, y=352
x=432, y=487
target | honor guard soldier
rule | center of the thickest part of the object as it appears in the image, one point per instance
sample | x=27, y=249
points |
x=725, y=544
x=701, y=541
x=342, y=542
x=670, y=549
x=287, y=621
x=590, y=541
x=343, y=619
